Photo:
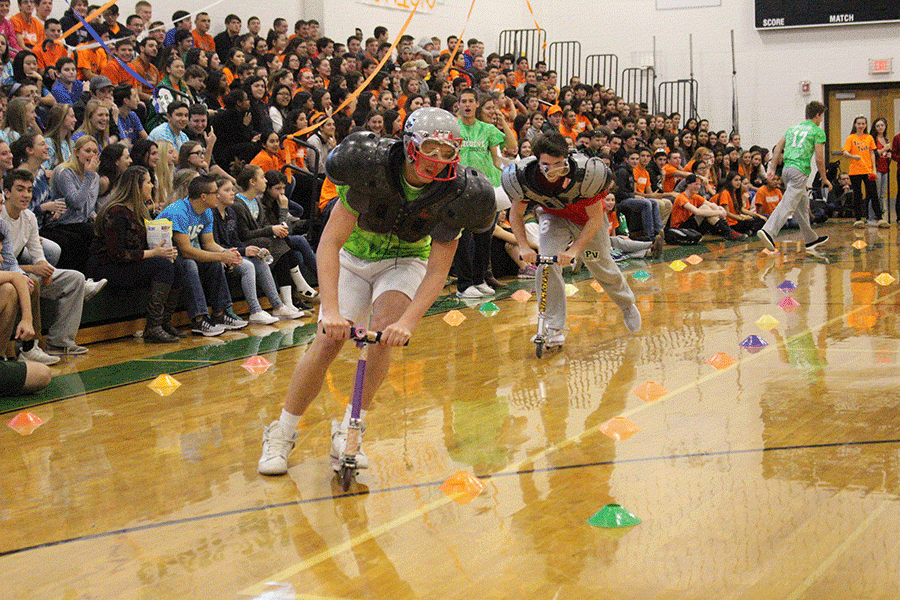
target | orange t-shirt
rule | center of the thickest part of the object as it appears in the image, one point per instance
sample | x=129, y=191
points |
x=581, y=123
x=569, y=133
x=520, y=77
x=671, y=180
x=641, y=179
x=117, y=73
x=146, y=70
x=294, y=153
x=229, y=77
x=270, y=162
x=204, y=41
x=32, y=32
x=766, y=200
x=328, y=193
x=861, y=146
x=92, y=58
x=724, y=198
x=48, y=57
x=679, y=213
x=613, y=217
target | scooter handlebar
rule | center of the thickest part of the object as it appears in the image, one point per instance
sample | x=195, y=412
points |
x=361, y=334
x=545, y=260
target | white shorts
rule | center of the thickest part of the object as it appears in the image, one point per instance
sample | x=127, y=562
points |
x=361, y=282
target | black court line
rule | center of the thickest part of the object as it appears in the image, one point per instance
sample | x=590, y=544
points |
x=366, y=492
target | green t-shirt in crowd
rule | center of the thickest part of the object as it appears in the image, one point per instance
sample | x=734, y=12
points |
x=800, y=145
x=372, y=246
x=478, y=139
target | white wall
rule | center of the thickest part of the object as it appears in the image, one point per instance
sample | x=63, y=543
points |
x=770, y=64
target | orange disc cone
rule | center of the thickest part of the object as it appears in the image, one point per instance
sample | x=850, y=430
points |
x=256, y=365
x=462, y=487
x=619, y=428
x=25, y=423
x=720, y=361
x=693, y=259
x=650, y=391
x=454, y=318
x=164, y=385
x=521, y=296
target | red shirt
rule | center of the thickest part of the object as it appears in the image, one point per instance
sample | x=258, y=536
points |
x=575, y=212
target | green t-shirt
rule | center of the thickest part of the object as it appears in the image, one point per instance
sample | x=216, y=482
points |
x=478, y=139
x=372, y=246
x=800, y=145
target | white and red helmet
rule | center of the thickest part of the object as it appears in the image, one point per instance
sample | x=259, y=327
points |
x=440, y=130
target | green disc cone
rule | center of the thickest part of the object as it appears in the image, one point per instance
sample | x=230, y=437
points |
x=488, y=307
x=641, y=275
x=613, y=515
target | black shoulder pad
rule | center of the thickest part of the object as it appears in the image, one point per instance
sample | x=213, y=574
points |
x=353, y=162
x=474, y=206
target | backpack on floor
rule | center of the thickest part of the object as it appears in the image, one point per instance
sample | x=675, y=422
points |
x=682, y=237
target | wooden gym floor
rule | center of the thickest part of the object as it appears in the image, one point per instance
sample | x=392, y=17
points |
x=775, y=478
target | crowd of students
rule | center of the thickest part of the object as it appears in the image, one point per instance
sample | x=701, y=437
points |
x=202, y=137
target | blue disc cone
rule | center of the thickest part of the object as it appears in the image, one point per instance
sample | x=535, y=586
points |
x=751, y=341
x=787, y=286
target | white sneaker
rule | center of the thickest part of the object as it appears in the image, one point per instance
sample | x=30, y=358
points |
x=92, y=288
x=472, y=292
x=276, y=448
x=632, y=318
x=339, y=444
x=553, y=338
x=262, y=318
x=485, y=289
x=288, y=312
x=39, y=356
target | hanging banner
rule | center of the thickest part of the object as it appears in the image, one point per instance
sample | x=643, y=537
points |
x=424, y=6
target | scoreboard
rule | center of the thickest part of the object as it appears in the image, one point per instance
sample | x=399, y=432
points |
x=777, y=14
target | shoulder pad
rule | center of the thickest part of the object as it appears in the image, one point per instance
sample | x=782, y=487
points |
x=597, y=177
x=474, y=206
x=356, y=159
x=509, y=178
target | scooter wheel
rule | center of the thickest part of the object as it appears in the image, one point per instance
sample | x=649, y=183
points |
x=539, y=348
x=346, y=477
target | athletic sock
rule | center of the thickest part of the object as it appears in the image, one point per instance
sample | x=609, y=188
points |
x=288, y=423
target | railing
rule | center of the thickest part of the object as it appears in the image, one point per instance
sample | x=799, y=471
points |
x=565, y=59
x=602, y=69
x=678, y=96
x=639, y=85
x=523, y=42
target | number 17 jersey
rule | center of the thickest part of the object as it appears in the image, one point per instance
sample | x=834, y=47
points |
x=800, y=145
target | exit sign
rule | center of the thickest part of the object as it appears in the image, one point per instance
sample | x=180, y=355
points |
x=881, y=66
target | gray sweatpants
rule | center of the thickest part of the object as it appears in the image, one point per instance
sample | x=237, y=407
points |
x=556, y=234
x=67, y=291
x=795, y=200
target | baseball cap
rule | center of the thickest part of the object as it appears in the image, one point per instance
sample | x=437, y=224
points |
x=420, y=63
x=98, y=82
x=554, y=109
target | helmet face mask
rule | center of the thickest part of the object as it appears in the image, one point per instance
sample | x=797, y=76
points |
x=432, y=141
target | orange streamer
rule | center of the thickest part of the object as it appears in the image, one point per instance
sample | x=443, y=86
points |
x=531, y=10
x=368, y=79
x=88, y=18
x=459, y=39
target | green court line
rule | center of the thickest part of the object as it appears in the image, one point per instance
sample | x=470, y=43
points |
x=187, y=359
